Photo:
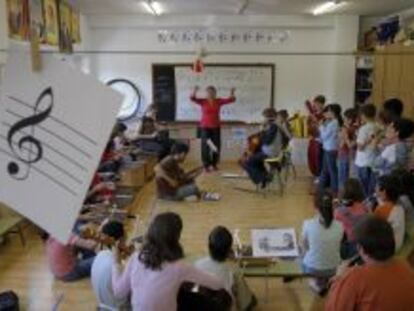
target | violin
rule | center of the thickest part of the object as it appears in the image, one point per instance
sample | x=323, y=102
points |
x=314, y=119
x=91, y=233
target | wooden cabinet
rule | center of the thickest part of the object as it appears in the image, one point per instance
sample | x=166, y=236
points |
x=394, y=76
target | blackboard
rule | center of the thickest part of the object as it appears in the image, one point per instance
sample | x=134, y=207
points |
x=163, y=85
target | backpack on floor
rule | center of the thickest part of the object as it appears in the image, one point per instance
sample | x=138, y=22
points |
x=9, y=301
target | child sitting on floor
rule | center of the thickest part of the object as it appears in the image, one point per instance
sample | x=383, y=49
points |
x=220, y=244
x=175, y=184
x=406, y=199
x=321, y=241
x=388, y=193
x=349, y=213
x=101, y=274
x=63, y=258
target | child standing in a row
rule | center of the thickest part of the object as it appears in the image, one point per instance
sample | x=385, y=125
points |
x=329, y=130
x=346, y=146
x=365, y=154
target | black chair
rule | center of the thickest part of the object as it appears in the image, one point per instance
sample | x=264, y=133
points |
x=203, y=299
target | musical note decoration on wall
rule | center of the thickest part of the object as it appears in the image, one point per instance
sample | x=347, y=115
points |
x=223, y=36
x=28, y=149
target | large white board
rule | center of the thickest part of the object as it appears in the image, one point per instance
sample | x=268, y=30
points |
x=253, y=83
x=54, y=125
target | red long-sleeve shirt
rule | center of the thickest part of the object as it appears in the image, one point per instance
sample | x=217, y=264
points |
x=210, y=110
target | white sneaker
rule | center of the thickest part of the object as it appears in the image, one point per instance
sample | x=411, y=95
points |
x=313, y=284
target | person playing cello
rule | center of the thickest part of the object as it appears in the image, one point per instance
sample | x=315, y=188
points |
x=269, y=143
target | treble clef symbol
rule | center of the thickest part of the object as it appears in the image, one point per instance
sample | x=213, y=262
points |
x=28, y=149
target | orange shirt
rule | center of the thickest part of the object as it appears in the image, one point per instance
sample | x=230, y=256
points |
x=384, y=210
x=374, y=287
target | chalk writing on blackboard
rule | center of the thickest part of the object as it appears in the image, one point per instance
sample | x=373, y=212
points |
x=253, y=84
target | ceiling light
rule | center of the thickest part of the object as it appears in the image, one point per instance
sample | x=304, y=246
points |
x=327, y=7
x=153, y=7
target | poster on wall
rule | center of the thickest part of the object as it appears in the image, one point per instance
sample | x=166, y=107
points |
x=18, y=19
x=49, y=151
x=76, y=33
x=65, y=27
x=50, y=13
x=37, y=23
x=36, y=32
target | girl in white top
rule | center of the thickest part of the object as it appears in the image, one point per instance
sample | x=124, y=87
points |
x=321, y=241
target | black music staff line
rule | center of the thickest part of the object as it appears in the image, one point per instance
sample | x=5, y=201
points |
x=54, y=180
x=77, y=132
x=62, y=170
x=67, y=142
x=48, y=146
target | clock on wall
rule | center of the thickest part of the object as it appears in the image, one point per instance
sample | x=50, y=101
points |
x=131, y=105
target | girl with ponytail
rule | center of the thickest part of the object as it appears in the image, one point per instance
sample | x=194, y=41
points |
x=321, y=241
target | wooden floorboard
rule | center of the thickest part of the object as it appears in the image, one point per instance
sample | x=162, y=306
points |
x=24, y=269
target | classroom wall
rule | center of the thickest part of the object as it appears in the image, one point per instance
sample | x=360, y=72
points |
x=297, y=76
x=310, y=62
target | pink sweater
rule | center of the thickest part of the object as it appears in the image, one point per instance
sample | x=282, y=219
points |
x=62, y=257
x=157, y=290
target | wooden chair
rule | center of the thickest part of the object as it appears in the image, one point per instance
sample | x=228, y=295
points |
x=280, y=167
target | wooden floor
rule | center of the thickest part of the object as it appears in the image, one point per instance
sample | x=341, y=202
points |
x=24, y=269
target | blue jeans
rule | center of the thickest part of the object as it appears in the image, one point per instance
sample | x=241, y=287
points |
x=255, y=168
x=187, y=191
x=343, y=172
x=81, y=270
x=328, y=273
x=184, y=192
x=367, y=178
x=329, y=174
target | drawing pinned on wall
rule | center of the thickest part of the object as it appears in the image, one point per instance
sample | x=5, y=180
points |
x=48, y=150
x=274, y=243
x=50, y=13
x=37, y=22
x=65, y=27
x=76, y=32
x=18, y=19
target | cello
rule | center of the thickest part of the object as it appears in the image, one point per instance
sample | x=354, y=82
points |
x=254, y=143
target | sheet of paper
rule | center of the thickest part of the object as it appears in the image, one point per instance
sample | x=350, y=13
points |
x=233, y=176
x=274, y=243
x=54, y=126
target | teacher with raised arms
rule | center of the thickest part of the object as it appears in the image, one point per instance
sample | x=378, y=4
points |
x=210, y=125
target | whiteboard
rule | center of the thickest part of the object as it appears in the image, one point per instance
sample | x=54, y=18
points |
x=253, y=83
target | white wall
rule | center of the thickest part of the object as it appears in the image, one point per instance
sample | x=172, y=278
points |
x=297, y=76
